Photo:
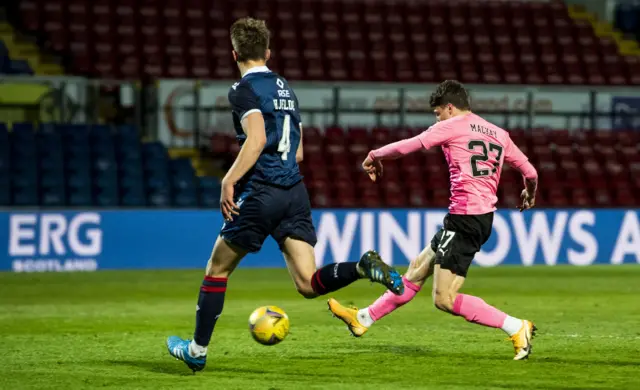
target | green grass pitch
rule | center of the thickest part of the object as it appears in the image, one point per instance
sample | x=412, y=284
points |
x=107, y=330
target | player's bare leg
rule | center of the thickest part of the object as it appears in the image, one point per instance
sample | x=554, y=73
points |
x=447, y=298
x=223, y=261
x=310, y=283
x=359, y=321
x=301, y=263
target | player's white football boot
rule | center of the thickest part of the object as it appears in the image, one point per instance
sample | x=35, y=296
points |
x=349, y=316
x=522, y=340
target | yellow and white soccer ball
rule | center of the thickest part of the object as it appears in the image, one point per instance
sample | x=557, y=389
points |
x=269, y=325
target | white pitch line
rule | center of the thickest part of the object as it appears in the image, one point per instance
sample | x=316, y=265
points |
x=596, y=336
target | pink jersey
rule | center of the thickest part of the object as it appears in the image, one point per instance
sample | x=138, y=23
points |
x=475, y=151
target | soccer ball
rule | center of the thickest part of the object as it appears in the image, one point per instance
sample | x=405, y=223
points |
x=269, y=325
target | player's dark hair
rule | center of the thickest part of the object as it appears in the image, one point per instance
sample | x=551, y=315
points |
x=450, y=92
x=250, y=39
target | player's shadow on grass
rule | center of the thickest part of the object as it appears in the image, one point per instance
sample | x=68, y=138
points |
x=168, y=367
x=407, y=350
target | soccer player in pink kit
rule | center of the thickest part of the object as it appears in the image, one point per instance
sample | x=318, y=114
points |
x=475, y=151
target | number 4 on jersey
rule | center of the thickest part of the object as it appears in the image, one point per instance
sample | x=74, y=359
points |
x=284, y=146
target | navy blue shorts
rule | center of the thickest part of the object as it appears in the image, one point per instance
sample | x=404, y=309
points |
x=267, y=210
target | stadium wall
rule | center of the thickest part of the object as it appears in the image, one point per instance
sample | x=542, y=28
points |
x=169, y=239
x=550, y=107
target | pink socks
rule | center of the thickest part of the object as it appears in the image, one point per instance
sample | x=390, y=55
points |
x=389, y=301
x=473, y=309
x=476, y=310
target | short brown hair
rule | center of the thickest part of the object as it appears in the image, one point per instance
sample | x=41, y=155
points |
x=451, y=92
x=250, y=39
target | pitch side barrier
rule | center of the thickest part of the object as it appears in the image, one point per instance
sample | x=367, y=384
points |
x=34, y=241
x=187, y=112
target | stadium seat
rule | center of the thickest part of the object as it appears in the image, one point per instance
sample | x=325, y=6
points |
x=5, y=190
x=186, y=198
x=180, y=41
x=25, y=196
x=133, y=197
x=54, y=196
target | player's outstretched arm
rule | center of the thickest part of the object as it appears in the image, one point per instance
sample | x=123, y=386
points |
x=253, y=126
x=519, y=161
x=372, y=164
x=397, y=149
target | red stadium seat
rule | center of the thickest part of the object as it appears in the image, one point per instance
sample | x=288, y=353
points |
x=477, y=42
x=322, y=31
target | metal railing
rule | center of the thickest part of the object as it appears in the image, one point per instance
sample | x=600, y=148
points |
x=187, y=112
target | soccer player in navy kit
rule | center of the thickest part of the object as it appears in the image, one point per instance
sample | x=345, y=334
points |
x=263, y=194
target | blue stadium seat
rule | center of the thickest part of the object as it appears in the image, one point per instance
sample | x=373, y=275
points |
x=182, y=165
x=183, y=182
x=126, y=139
x=103, y=149
x=23, y=150
x=159, y=199
x=4, y=132
x=25, y=197
x=77, y=148
x=133, y=198
x=19, y=67
x=131, y=184
x=158, y=183
x=5, y=150
x=53, y=197
x=4, y=58
x=79, y=165
x=101, y=133
x=209, y=192
x=80, y=181
x=210, y=183
x=73, y=131
x=51, y=163
x=105, y=164
x=5, y=190
x=185, y=198
x=80, y=197
x=49, y=144
x=23, y=131
x=107, y=199
x=128, y=154
x=156, y=172
x=209, y=200
x=106, y=182
x=52, y=179
x=49, y=128
x=132, y=171
x=5, y=162
x=26, y=183
x=25, y=171
x=129, y=132
x=154, y=150
x=627, y=18
x=76, y=142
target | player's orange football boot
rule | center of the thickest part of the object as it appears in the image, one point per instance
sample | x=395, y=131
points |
x=522, y=340
x=349, y=316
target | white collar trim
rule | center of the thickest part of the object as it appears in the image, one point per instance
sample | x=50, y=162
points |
x=257, y=69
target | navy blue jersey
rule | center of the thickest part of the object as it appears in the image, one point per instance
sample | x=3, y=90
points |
x=261, y=90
